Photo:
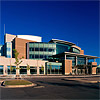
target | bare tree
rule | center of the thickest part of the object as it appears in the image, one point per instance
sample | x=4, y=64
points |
x=18, y=61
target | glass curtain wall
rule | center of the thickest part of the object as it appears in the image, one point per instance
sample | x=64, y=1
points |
x=41, y=50
x=8, y=49
x=81, y=61
x=1, y=50
x=60, y=48
x=1, y=69
x=54, y=68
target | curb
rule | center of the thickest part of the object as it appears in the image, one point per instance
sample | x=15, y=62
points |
x=16, y=86
x=84, y=81
x=90, y=81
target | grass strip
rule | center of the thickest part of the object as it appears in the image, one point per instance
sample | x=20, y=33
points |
x=17, y=82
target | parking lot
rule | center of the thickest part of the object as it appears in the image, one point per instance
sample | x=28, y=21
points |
x=55, y=88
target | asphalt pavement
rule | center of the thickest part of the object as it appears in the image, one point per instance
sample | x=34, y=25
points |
x=53, y=88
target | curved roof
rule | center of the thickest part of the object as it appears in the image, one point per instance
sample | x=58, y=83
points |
x=61, y=41
x=76, y=47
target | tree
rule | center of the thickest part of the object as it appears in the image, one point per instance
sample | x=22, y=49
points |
x=11, y=69
x=42, y=68
x=28, y=68
x=18, y=61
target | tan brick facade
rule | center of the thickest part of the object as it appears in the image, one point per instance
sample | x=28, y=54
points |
x=82, y=52
x=94, y=70
x=94, y=63
x=20, y=46
x=68, y=67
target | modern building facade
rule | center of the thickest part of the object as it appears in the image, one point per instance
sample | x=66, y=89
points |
x=56, y=57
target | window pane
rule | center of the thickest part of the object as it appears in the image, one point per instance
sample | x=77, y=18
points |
x=1, y=69
x=33, y=71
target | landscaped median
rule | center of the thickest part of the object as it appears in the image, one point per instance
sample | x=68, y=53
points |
x=18, y=83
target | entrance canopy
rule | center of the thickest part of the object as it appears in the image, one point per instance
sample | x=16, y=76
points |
x=74, y=54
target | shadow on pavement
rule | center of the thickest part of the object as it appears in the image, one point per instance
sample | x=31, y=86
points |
x=75, y=84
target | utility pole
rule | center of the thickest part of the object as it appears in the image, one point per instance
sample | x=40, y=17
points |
x=4, y=32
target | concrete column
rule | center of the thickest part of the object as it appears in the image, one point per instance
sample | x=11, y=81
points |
x=11, y=50
x=87, y=69
x=86, y=66
x=44, y=70
x=86, y=61
x=17, y=71
x=76, y=60
x=28, y=72
x=65, y=56
x=76, y=71
x=38, y=70
x=91, y=68
x=94, y=60
x=76, y=64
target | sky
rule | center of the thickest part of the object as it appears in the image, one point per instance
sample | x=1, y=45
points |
x=73, y=21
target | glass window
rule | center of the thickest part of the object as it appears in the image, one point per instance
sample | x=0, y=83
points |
x=36, y=56
x=41, y=45
x=45, y=49
x=54, y=68
x=8, y=49
x=41, y=70
x=46, y=45
x=33, y=70
x=60, y=48
x=30, y=56
x=31, y=49
x=36, y=49
x=1, y=69
x=41, y=56
x=11, y=69
x=81, y=61
x=31, y=44
x=41, y=49
x=45, y=56
x=75, y=50
x=23, y=70
x=50, y=50
x=36, y=44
